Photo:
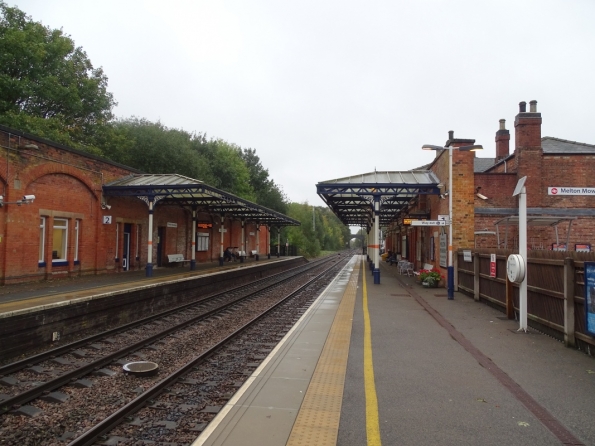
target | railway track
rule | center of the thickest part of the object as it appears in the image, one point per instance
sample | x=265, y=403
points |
x=58, y=397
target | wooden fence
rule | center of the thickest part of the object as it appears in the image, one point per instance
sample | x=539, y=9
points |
x=555, y=291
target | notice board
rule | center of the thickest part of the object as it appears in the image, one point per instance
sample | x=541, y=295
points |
x=590, y=297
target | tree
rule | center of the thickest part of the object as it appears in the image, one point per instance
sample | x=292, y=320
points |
x=227, y=168
x=48, y=86
x=266, y=191
x=320, y=229
x=155, y=148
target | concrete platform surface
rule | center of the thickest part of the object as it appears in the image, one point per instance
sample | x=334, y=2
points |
x=448, y=372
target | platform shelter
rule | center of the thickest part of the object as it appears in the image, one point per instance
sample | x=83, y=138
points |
x=174, y=189
x=373, y=200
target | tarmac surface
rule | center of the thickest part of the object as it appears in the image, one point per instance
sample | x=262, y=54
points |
x=458, y=372
x=448, y=372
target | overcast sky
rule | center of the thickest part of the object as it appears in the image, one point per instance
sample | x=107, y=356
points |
x=328, y=89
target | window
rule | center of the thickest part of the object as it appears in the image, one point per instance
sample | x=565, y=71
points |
x=77, y=227
x=60, y=242
x=41, y=240
x=202, y=241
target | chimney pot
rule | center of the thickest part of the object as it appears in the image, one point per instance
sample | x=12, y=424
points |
x=451, y=135
x=502, y=122
x=522, y=107
x=533, y=106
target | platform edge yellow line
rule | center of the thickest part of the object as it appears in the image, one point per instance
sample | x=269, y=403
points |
x=317, y=422
x=372, y=423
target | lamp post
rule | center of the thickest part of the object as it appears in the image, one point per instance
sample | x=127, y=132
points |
x=450, y=269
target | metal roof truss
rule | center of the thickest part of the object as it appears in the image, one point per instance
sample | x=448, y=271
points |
x=354, y=203
x=182, y=191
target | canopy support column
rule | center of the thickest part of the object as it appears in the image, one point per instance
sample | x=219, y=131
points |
x=149, y=267
x=268, y=241
x=243, y=253
x=222, y=231
x=376, y=239
x=257, y=241
x=193, y=255
x=278, y=241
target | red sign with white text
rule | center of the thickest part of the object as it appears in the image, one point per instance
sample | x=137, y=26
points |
x=492, y=265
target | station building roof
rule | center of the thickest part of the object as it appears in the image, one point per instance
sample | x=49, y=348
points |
x=174, y=189
x=352, y=198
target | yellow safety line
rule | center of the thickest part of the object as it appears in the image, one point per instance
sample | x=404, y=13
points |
x=317, y=422
x=372, y=424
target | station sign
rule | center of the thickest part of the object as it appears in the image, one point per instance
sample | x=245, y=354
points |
x=428, y=223
x=559, y=190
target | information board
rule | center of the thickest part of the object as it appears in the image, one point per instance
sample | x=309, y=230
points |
x=443, y=250
x=590, y=297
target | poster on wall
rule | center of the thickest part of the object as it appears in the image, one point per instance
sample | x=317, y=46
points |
x=443, y=250
x=590, y=297
x=432, y=249
x=404, y=247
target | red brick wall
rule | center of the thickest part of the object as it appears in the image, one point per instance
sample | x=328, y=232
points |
x=498, y=188
x=542, y=171
x=68, y=184
x=463, y=193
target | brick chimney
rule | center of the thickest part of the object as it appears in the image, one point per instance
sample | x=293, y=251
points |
x=528, y=151
x=527, y=127
x=502, y=141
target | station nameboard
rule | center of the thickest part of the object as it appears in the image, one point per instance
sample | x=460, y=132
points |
x=428, y=223
x=559, y=190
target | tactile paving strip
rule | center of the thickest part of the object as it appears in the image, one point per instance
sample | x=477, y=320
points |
x=318, y=420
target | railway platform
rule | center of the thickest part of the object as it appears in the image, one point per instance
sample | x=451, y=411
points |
x=392, y=364
x=399, y=364
x=21, y=296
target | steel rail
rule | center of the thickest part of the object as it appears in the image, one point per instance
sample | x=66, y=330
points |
x=30, y=394
x=44, y=356
x=90, y=436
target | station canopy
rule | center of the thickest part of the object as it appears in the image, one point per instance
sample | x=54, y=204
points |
x=352, y=198
x=174, y=189
x=535, y=220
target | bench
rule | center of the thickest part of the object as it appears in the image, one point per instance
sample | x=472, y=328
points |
x=176, y=258
x=253, y=253
x=427, y=266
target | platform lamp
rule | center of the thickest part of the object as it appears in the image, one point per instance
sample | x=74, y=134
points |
x=450, y=270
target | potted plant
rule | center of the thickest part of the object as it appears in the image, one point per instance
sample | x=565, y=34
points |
x=430, y=278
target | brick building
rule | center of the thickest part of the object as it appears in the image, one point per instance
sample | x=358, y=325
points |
x=484, y=209
x=72, y=227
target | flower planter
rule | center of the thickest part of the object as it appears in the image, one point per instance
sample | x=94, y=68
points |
x=430, y=278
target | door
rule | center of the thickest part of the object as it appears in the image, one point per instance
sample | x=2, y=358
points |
x=160, y=244
x=126, y=247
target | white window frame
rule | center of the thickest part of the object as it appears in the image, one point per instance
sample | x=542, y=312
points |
x=77, y=226
x=64, y=228
x=42, y=239
x=202, y=241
